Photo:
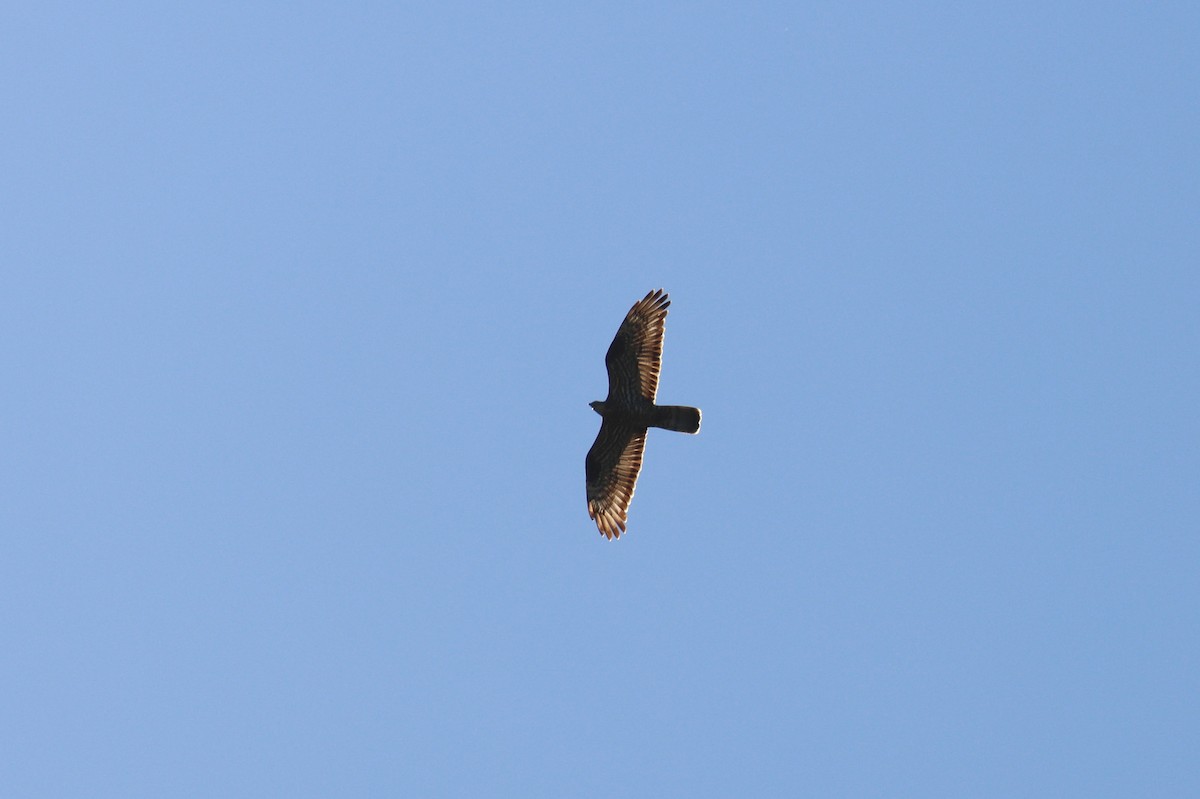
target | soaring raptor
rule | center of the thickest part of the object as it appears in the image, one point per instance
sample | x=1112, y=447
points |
x=633, y=360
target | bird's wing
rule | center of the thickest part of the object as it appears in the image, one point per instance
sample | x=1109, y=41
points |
x=635, y=356
x=613, y=464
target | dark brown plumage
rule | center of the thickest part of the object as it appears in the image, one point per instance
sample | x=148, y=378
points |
x=634, y=360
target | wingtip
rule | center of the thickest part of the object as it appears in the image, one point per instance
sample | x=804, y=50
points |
x=607, y=525
x=658, y=298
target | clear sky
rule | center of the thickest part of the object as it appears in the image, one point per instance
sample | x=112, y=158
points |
x=302, y=306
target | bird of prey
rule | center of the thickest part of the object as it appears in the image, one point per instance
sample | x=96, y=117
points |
x=633, y=360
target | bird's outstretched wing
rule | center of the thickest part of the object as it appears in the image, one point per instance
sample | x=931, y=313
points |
x=613, y=464
x=635, y=356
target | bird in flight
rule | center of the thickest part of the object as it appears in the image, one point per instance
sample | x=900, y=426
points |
x=634, y=359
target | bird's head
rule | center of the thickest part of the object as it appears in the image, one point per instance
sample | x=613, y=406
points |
x=597, y=406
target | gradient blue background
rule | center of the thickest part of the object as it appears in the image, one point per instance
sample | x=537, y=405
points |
x=302, y=306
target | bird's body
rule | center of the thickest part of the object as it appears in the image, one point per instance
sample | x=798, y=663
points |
x=634, y=360
x=680, y=418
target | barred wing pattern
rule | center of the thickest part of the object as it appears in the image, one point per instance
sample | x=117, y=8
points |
x=612, y=468
x=634, y=358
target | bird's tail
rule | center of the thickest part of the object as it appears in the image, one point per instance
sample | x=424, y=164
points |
x=679, y=418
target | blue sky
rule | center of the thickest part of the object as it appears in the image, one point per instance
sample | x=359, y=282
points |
x=303, y=306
